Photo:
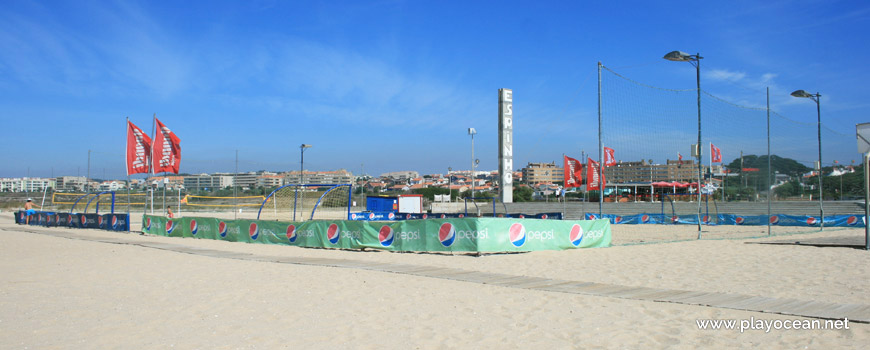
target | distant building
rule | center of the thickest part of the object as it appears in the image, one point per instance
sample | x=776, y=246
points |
x=206, y=182
x=643, y=171
x=401, y=175
x=26, y=184
x=340, y=176
x=70, y=183
x=537, y=173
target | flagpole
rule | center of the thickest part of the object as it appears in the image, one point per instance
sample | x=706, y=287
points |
x=600, y=149
x=151, y=162
x=127, y=165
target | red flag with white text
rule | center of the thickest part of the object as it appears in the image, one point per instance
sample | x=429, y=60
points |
x=138, y=150
x=609, y=158
x=716, y=153
x=573, y=172
x=592, y=182
x=167, y=150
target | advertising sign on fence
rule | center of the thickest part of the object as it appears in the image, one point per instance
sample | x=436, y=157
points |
x=448, y=235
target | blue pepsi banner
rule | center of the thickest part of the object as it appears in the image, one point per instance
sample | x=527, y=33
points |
x=109, y=222
x=732, y=219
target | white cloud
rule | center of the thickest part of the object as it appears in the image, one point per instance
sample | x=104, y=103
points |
x=722, y=74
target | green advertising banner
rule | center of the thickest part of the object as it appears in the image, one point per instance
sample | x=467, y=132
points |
x=431, y=235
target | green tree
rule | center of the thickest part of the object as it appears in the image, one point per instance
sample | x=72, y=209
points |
x=523, y=193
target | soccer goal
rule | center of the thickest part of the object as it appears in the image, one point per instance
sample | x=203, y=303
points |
x=307, y=202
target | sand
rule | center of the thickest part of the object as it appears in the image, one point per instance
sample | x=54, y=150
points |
x=75, y=292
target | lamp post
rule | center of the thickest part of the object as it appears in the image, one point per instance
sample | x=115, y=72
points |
x=471, y=132
x=815, y=98
x=301, y=175
x=695, y=60
x=450, y=183
x=651, y=188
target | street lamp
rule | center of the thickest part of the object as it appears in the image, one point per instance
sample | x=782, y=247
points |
x=450, y=183
x=695, y=60
x=471, y=132
x=301, y=175
x=651, y=189
x=815, y=98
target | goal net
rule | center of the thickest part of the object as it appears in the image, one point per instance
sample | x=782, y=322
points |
x=307, y=202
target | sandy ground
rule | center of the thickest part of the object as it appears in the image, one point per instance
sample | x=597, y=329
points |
x=57, y=292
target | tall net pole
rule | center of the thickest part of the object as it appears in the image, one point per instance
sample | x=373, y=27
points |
x=600, y=150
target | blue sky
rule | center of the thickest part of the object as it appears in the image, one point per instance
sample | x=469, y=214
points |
x=394, y=85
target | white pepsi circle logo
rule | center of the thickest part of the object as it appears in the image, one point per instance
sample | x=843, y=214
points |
x=811, y=221
x=774, y=220
x=291, y=233
x=446, y=234
x=222, y=229
x=385, y=236
x=852, y=221
x=739, y=220
x=333, y=234
x=644, y=218
x=576, y=235
x=517, y=234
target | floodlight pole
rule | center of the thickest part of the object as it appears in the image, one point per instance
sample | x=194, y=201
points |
x=695, y=60
x=471, y=132
x=816, y=98
x=301, y=175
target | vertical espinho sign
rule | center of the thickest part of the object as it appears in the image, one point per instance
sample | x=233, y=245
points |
x=506, y=145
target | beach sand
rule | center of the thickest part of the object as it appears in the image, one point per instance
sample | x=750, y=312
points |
x=77, y=292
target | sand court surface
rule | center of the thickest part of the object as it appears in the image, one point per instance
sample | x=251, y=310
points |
x=68, y=288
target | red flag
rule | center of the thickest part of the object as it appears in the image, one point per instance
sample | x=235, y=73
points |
x=680, y=157
x=138, y=150
x=167, y=150
x=609, y=158
x=716, y=153
x=592, y=182
x=573, y=172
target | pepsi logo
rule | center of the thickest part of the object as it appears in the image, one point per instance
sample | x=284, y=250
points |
x=371, y=216
x=501, y=215
x=425, y=216
x=644, y=218
x=333, y=234
x=576, y=235
x=675, y=218
x=222, y=228
x=69, y=220
x=114, y=222
x=544, y=216
x=407, y=216
x=385, y=236
x=392, y=216
x=739, y=220
x=811, y=221
x=522, y=216
x=353, y=216
x=774, y=220
x=84, y=221
x=852, y=221
x=170, y=226
x=193, y=227
x=443, y=216
x=446, y=234
x=591, y=216
x=461, y=215
x=147, y=223
x=254, y=231
x=100, y=221
x=517, y=235
x=291, y=233
x=705, y=219
x=617, y=219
